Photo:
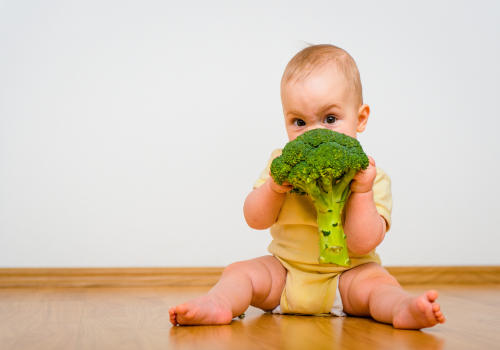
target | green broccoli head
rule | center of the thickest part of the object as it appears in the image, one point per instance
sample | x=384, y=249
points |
x=322, y=163
x=317, y=160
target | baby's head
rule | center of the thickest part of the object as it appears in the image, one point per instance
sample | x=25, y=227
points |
x=321, y=88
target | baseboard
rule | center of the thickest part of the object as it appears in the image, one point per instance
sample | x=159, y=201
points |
x=208, y=276
x=109, y=277
x=430, y=275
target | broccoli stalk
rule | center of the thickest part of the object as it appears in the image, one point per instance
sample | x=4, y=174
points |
x=329, y=204
x=322, y=163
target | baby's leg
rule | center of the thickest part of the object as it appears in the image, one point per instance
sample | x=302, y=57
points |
x=369, y=290
x=258, y=282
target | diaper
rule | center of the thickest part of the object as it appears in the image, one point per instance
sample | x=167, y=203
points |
x=311, y=290
x=336, y=310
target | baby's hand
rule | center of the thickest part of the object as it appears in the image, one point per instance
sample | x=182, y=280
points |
x=364, y=179
x=283, y=188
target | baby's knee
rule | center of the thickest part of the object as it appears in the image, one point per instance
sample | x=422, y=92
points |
x=364, y=284
x=236, y=267
x=246, y=268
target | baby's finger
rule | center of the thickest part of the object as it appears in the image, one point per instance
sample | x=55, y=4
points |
x=371, y=160
x=280, y=188
x=358, y=175
x=361, y=172
x=286, y=188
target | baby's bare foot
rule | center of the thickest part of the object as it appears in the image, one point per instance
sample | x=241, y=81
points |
x=208, y=309
x=419, y=312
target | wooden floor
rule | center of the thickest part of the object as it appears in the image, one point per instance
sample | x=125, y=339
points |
x=137, y=318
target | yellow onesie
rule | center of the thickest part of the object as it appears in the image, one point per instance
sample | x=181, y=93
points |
x=310, y=287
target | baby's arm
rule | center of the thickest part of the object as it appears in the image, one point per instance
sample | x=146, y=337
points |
x=263, y=204
x=364, y=227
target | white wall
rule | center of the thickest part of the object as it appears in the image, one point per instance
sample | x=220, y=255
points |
x=131, y=132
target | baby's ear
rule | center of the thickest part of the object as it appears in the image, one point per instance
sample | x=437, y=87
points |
x=363, y=115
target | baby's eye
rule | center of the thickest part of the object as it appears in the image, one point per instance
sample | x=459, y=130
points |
x=299, y=122
x=330, y=119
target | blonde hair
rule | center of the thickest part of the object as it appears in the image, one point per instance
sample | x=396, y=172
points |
x=319, y=58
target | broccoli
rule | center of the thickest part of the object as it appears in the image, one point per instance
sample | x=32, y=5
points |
x=322, y=163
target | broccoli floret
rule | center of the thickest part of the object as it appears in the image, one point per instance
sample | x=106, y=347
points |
x=321, y=163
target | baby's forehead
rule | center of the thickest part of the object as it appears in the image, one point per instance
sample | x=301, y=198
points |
x=318, y=83
x=301, y=70
x=305, y=74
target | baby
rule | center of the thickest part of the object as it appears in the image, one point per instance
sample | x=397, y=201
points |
x=320, y=88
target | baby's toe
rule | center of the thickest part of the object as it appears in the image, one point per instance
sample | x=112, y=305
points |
x=432, y=295
x=435, y=307
x=182, y=309
x=423, y=305
x=173, y=316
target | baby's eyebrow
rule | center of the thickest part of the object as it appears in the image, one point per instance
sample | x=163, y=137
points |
x=294, y=114
x=330, y=106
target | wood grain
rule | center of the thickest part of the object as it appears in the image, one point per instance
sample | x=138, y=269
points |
x=108, y=277
x=429, y=275
x=208, y=276
x=136, y=318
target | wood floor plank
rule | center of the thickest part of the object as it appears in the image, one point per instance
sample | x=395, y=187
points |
x=149, y=317
x=158, y=339
x=137, y=318
x=14, y=323
x=106, y=333
x=43, y=336
x=103, y=310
